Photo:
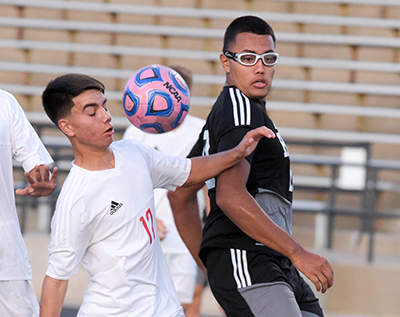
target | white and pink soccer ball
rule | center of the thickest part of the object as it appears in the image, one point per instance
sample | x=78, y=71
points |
x=156, y=99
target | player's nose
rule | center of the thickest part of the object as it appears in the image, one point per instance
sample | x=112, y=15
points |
x=259, y=67
x=106, y=116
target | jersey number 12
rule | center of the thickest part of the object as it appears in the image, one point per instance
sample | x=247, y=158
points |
x=145, y=222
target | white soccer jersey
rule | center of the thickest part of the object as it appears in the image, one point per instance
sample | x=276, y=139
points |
x=177, y=142
x=106, y=220
x=19, y=140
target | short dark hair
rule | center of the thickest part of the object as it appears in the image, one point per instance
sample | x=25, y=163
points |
x=249, y=24
x=58, y=94
x=186, y=74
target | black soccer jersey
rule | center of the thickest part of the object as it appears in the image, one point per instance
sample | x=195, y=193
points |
x=231, y=117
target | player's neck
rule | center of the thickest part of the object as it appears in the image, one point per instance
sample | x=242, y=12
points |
x=94, y=159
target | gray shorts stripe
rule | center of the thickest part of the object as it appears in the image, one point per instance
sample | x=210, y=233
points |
x=250, y=283
x=277, y=297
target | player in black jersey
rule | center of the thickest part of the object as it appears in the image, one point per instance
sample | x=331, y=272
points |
x=247, y=247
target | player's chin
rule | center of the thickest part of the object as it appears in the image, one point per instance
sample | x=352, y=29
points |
x=259, y=95
x=107, y=142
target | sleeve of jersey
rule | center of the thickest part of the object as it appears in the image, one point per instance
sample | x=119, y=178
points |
x=70, y=236
x=237, y=117
x=27, y=147
x=167, y=172
x=197, y=148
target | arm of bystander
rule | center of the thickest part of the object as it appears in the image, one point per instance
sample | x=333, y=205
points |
x=185, y=209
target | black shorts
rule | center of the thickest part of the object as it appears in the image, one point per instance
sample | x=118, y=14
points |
x=254, y=283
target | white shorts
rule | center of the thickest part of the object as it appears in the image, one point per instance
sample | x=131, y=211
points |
x=183, y=269
x=18, y=299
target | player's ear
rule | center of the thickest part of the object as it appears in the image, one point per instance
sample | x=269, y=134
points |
x=225, y=63
x=66, y=127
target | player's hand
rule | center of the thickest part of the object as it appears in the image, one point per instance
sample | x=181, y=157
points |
x=41, y=182
x=316, y=268
x=162, y=230
x=250, y=140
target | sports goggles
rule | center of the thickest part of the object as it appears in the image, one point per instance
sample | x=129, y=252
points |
x=250, y=59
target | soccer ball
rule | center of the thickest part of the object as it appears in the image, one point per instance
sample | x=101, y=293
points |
x=156, y=99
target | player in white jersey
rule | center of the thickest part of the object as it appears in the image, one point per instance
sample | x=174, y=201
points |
x=117, y=203
x=178, y=142
x=18, y=140
x=105, y=217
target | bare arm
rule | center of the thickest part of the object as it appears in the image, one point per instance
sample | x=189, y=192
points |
x=41, y=182
x=52, y=299
x=244, y=211
x=186, y=214
x=207, y=167
x=162, y=230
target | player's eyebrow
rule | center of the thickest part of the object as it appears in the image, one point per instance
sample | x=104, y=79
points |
x=93, y=104
x=89, y=105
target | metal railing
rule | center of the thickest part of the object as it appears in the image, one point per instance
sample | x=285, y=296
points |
x=373, y=185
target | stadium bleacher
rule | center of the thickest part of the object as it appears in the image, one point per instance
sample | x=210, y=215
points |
x=301, y=75
x=337, y=81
